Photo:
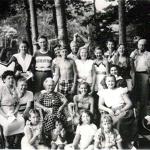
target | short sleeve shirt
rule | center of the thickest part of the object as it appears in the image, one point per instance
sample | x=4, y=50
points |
x=141, y=60
x=86, y=132
x=110, y=138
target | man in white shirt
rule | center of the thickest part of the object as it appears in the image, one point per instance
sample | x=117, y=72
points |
x=140, y=59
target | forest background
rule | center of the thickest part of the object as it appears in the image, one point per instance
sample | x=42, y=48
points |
x=81, y=17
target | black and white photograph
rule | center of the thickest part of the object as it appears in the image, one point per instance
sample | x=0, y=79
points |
x=75, y=74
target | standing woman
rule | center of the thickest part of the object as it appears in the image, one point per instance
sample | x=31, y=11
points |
x=123, y=62
x=85, y=68
x=101, y=67
x=23, y=63
x=12, y=122
x=43, y=64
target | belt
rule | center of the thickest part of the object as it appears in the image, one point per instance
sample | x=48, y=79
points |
x=43, y=70
x=145, y=72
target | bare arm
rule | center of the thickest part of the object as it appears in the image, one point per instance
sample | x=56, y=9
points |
x=107, y=66
x=91, y=105
x=93, y=78
x=75, y=77
x=127, y=101
x=119, y=145
x=27, y=108
x=56, y=75
x=30, y=137
x=76, y=105
x=64, y=101
x=76, y=141
x=103, y=107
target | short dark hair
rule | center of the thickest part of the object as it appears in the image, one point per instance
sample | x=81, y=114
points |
x=24, y=42
x=89, y=114
x=7, y=73
x=43, y=37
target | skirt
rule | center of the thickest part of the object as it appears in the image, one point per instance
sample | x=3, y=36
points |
x=12, y=127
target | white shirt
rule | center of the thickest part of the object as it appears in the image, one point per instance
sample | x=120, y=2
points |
x=141, y=60
x=113, y=97
x=84, y=70
x=86, y=132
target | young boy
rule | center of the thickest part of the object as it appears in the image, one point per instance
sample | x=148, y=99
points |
x=65, y=74
x=43, y=63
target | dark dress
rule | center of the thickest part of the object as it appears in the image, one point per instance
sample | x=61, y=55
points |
x=54, y=101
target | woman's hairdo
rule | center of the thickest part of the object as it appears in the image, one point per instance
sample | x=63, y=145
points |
x=25, y=42
x=104, y=80
x=46, y=80
x=83, y=48
x=7, y=73
x=87, y=86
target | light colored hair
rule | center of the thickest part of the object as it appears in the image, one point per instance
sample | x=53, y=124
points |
x=49, y=79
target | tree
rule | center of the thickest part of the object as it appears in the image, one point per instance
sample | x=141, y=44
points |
x=122, y=26
x=28, y=26
x=61, y=22
x=34, y=26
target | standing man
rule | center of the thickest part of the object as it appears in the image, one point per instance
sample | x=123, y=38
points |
x=43, y=63
x=140, y=59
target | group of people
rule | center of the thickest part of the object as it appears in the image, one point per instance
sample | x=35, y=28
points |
x=44, y=96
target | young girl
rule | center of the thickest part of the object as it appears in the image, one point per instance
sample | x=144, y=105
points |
x=58, y=136
x=107, y=137
x=84, y=133
x=33, y=132
x=82, y=101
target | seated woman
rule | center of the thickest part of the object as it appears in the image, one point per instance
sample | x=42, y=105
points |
x=82, y=101
x=25, y=97
x=52, y=103
x=116, y=102
x=12, y=122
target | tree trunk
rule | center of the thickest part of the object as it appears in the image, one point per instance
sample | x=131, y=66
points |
x=34, y=26
x=55, y=21
x=61, y=22
x=28, y=27
x=122, y=26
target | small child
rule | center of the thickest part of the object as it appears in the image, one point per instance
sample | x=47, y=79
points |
x=58, y=136
x=33, y=132
x=84, y=133
x=107, y=137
